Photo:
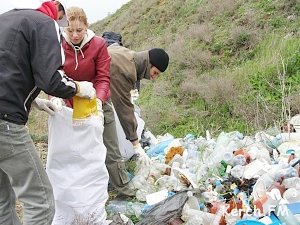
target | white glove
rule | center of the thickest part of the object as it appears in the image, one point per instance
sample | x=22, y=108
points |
x=99, y=104
x=58, y=102
x=100, y=111
x=85, y=89
x=143, y=157
x=45, y=105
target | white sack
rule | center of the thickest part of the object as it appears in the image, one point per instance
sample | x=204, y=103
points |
x=125, y=146
x=76, y=167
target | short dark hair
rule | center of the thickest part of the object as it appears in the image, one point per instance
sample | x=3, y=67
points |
x=61, y=8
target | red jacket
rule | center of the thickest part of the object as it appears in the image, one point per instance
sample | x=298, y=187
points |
x=89, y=62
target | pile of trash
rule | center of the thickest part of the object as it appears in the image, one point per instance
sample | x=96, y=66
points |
x=232, y=179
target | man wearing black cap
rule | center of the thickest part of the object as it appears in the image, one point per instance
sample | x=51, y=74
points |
x=126, y=68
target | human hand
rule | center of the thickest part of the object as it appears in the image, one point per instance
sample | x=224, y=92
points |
x=143, y=158
x=45, y=105
x=58, y=102
x=85, y=89
x=99, y=109
x=99, y=104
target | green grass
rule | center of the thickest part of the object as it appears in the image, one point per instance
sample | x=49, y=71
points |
x=254, y=43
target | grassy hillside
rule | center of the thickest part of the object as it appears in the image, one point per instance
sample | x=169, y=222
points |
x=235, y=64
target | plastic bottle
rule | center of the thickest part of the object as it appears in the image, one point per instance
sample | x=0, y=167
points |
x=292, y=182
x=237, y=171
x=152, y=139
x=208, y=136
x=265, y=203
x=200, y=217
x=141, y=195
x=277, y=140
x=286, y=173
x=209, y=196
x=170, y=183
x=134, y=208
x=192, y=201
x=292, y=195
x=220, y=148
x=253, y=152
x=227, y=157
x=139, y=182
x=269, y=140
x=115, y=207
x=239, y=160
x=185, y=155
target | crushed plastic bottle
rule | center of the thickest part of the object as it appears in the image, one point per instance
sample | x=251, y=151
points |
x=239, y=160
x=210, y=196
x=292, y=195
x=286, y=173
x=292, y=182
x=237, y=171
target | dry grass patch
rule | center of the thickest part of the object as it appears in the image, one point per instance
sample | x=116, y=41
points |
x=212, y=8
x=202, y=32
x=212, y=89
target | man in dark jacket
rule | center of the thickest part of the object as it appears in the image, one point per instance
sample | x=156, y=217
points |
x=30, y=58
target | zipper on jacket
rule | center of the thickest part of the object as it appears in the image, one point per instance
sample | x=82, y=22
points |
x=29, y=95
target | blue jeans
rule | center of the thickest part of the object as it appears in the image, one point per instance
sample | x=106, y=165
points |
x=23, y=176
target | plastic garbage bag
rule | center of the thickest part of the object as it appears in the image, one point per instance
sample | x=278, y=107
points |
x=164, y=211
x=76, y=168
x=125, y=146
x=159, y=149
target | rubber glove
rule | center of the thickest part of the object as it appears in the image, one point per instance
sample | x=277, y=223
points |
x=100, y=111
x=99, y=104
x=85, y=89
x=58, y=102
x=45, y=105
x=143, y=158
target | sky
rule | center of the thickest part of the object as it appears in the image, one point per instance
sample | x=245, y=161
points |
x=94, y=9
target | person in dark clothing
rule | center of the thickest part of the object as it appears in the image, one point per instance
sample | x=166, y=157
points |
x=30, y=61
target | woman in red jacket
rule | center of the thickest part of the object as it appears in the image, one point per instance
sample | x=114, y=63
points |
x=87, y=59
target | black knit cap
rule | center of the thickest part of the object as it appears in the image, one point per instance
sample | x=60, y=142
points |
x=159, y=58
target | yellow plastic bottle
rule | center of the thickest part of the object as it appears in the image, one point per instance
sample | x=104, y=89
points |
x=83, y=108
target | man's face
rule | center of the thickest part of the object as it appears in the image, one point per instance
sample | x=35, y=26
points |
x=154, y=73
x=60, y=10
x=60, y=15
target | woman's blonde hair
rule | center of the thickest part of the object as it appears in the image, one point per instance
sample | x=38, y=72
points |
x=75, y=13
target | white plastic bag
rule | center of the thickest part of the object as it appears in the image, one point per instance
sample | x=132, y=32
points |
x=76, y=168
x=125, y=146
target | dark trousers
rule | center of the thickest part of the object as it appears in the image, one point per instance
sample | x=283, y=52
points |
x=114, y=161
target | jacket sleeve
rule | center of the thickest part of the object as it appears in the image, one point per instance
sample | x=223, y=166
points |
x=47, y=58
x=121, y=85
x=102, y=78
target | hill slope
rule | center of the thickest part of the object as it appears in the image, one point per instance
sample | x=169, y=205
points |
x=235, y=64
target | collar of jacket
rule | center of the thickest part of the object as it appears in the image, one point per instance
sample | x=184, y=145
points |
x=142, y=64
x=85, y=42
